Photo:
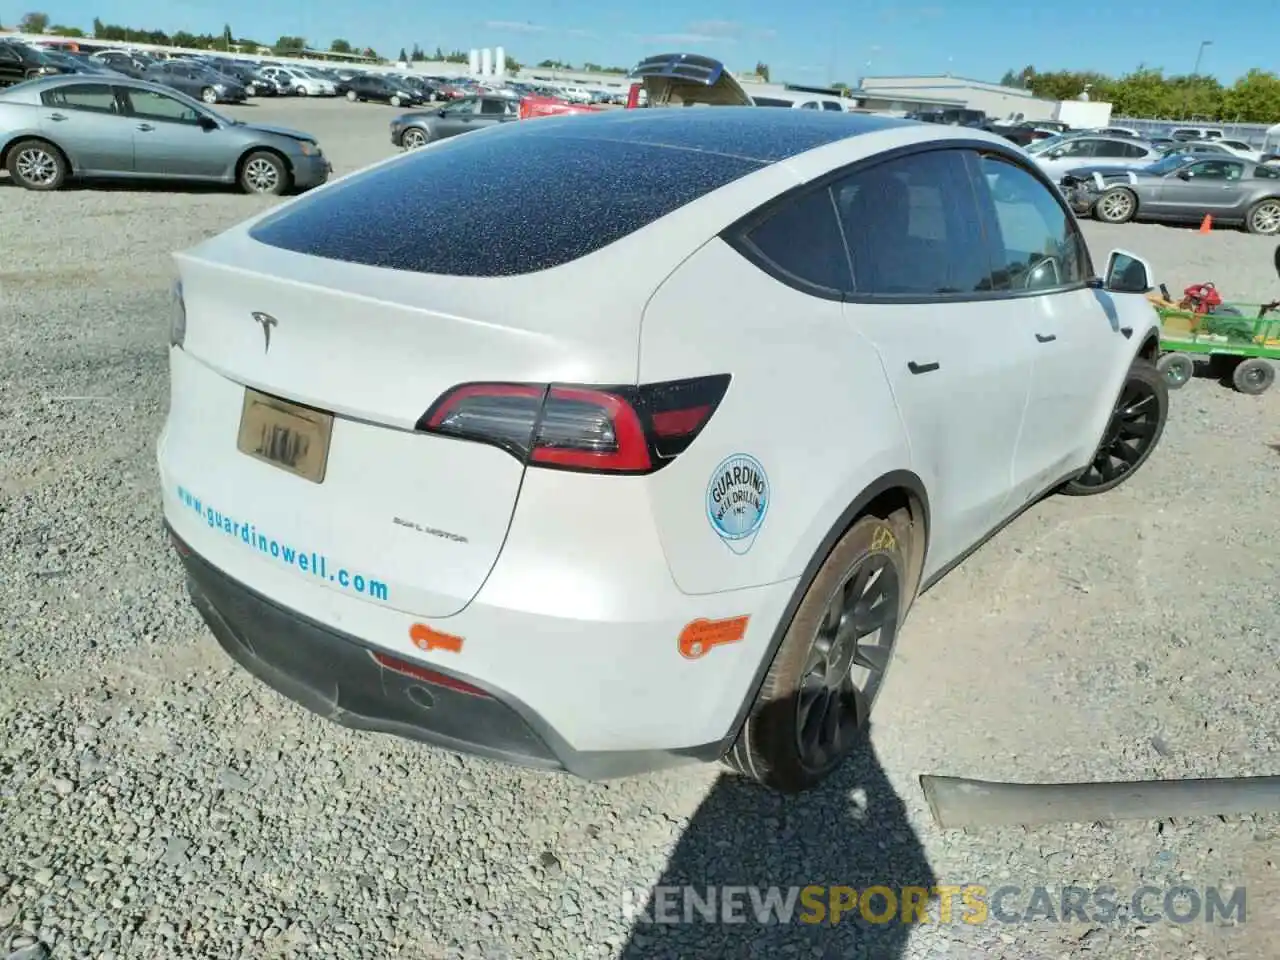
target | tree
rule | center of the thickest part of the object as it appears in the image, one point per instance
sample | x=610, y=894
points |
x=33, y=23
x=60, y=31
x=439, y=57
x=1254, y=98
x=762, y=71
x=226, y=36
x=98, y=27
x=403, y=56
x=339, y=46
x=290, y=44
x=513, y=65
x=417, y=56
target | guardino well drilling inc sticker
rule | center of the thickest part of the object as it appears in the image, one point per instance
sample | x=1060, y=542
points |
x=737, y=501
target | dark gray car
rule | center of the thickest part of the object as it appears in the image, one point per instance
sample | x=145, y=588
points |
x=196, y=80
x=1181, y=188
x=417, y=129
x=56, y=128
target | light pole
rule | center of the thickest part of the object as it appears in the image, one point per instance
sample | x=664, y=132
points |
x=1199, y=54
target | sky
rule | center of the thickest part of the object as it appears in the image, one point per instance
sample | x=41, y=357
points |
x=815, y=42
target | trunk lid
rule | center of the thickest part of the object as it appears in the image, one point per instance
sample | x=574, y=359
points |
x=423, y=516
x=683, y=79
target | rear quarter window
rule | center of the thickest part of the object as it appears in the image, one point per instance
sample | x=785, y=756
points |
x=514, y=200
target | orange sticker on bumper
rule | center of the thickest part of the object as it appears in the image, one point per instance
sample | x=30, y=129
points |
x=698, y=637
x=424, y=638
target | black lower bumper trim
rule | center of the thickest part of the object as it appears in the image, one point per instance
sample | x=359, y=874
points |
x=336, y=676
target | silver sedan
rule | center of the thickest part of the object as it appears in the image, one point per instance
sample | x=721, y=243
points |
x=54, y=129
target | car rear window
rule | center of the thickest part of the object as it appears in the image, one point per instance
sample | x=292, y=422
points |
x=505, y=202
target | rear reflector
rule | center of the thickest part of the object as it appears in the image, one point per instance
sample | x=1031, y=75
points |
x=427, y=675
x=627, y=430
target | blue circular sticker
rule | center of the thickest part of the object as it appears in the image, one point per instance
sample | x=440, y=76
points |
x=738, y=497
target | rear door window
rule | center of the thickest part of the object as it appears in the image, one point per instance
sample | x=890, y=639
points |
x=90, y=97
x=912, y=228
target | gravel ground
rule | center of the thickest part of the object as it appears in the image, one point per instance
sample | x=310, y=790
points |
x=155, y=801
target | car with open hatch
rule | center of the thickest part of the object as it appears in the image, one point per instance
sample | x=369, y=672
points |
x=57, y=129
x=655, y=482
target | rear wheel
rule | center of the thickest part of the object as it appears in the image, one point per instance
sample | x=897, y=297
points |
x=1117, y=205
x=1177, y=369
x=818, y=694
x=301, y=91
x=395, y=100
x=37, y=165
x=209, y=95
x=351, y=95
x=1253, y=376
x=264, y=172
x=1132, y=432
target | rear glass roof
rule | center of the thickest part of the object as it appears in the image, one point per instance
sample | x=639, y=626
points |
x=540, y=193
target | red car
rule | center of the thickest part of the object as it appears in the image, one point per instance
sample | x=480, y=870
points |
x=531, y=107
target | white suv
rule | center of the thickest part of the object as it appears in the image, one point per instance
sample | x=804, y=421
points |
x=655, y=471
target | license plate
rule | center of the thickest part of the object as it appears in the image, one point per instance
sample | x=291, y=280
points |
x=285, y=435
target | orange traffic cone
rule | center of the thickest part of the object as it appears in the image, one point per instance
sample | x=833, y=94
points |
x=1206, y=225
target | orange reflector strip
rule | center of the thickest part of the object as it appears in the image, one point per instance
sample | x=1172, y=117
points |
x=698, y=637
x=425, y=638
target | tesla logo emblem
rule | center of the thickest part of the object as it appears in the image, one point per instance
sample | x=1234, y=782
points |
x=266, y=321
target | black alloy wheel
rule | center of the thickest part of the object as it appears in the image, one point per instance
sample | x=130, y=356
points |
x=847, y=661
x=1132, y=433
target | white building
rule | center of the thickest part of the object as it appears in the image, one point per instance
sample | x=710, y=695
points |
x=921, y=93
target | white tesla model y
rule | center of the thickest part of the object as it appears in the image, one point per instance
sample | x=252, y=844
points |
x=600, y=442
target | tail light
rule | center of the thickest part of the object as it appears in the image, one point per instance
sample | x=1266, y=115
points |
x=625, y=430
x=633, y=96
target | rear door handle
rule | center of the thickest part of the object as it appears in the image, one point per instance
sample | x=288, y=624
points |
x=145, y=126
x=1046, y=338
x=922, y=367
x=57, y=116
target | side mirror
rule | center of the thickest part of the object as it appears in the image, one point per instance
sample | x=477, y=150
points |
x=207, y=123
x=1127, y=273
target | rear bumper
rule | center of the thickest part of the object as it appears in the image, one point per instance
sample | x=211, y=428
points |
x=336, y=676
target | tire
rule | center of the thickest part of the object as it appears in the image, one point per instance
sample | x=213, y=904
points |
x=301, y=91
x=351, y=95
x=209, y=95
x=263, y=173
x=875, y=553
x=395, y=101
x=1253, y=376
x=1177, y=369
x=37, y=165
x=1139, y=415
x=1117, y=205
x=414, y=137
x=1264, y=217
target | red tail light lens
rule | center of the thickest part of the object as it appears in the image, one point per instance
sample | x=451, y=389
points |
x=585, y=428
x=633, y=96
x=426, y=675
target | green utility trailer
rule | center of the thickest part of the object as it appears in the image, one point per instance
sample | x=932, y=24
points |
x=1243, y=339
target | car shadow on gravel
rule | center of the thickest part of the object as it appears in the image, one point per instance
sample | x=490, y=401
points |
x=850, y=834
